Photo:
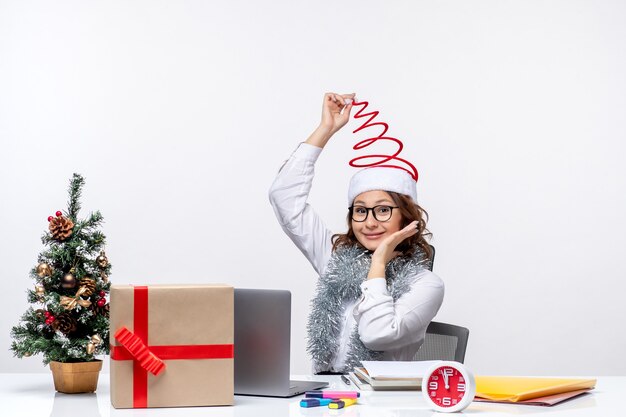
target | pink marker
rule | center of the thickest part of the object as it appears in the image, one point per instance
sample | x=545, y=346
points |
x=335, y=395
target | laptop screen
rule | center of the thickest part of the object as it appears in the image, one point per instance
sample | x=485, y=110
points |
x=262, y=341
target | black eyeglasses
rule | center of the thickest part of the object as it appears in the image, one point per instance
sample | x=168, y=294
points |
x=381, y=213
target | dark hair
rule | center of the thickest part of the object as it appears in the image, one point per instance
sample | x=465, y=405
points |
x=410, y=211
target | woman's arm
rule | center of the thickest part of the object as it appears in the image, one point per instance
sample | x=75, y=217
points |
x=384, y=324
x=290, y=190
x=288, y=196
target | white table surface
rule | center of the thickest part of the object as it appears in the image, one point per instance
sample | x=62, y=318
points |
x=33, y=395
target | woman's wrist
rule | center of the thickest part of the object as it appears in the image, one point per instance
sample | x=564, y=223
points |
x=320, y=136
x=377, y=270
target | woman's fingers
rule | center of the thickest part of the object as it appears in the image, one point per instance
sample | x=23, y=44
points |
x=347, y=110
x=339, y=99
x=406, y=232
x=410, y=228
x=396, y=238
x=348, y=98
x=331, y=107
x=329, y=100
x=335, y=102
x=336, y=110
x=345, y=99
x=387, y=248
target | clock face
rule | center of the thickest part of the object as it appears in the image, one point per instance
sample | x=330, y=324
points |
x=446, y=386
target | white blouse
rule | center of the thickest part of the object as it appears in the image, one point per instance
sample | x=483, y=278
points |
x=397, y=328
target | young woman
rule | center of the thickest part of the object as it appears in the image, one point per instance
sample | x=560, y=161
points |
x=375, y=295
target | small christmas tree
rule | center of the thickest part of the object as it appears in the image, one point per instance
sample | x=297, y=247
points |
x=71, y=286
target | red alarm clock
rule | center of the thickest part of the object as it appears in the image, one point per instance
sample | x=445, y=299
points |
x=448, y=386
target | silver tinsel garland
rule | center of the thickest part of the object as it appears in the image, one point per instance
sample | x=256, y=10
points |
x=341, y=283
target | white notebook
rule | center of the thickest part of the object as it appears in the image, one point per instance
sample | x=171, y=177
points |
x=397, y=369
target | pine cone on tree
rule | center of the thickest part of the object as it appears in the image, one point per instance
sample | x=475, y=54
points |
x=89, y=284
x=61, y=227
x=64, y=323
x=103, y=311
x=40, y=314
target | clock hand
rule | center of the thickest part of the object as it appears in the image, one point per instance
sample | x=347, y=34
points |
x=445, y=378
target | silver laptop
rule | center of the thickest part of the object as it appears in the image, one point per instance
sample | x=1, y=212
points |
x=262, y=345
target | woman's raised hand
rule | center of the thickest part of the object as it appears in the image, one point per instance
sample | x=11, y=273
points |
x=336, y=111
x=335, y=114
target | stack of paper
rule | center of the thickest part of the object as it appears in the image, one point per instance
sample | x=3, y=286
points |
x=359, y=381
x=530, y=390
x=390, y=375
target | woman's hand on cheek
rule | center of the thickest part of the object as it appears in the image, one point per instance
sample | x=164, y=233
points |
x=386, y=251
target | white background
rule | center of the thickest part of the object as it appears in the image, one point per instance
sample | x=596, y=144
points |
x=179, y=114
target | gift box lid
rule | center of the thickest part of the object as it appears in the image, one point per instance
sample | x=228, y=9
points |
x=193, y=314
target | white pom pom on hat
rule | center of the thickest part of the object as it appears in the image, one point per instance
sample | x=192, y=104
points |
x=383, y=179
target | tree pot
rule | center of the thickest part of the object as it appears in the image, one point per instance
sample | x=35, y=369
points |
x=72, y=378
